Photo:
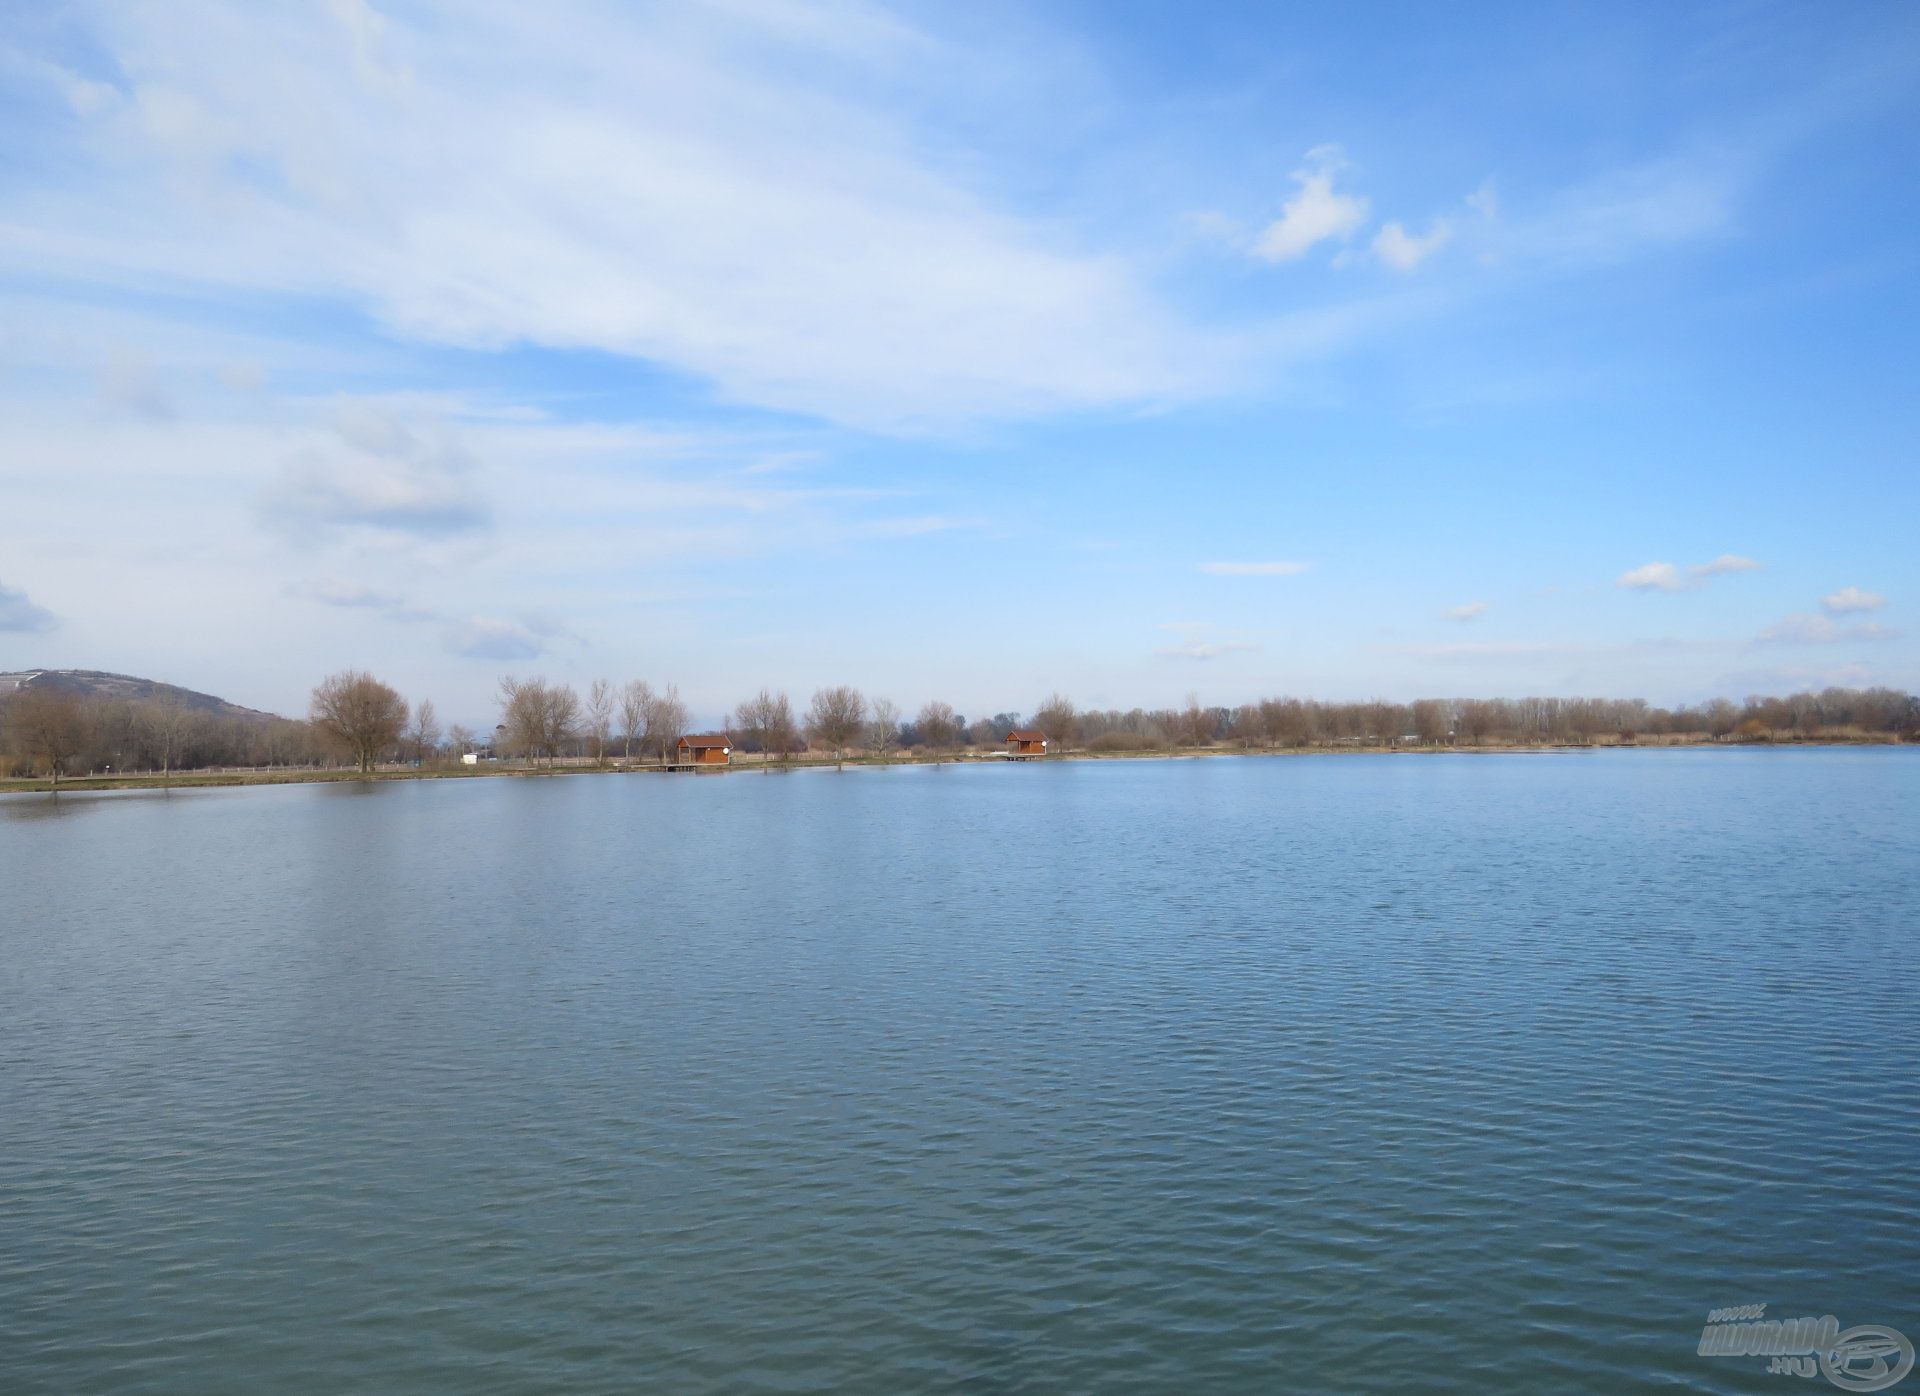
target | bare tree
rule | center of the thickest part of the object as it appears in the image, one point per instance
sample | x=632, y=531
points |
x=1433, y=720
x=47, y=728
x=599, y=718
x=1055, y=719
x=883, y=728
x=357, y=711
x=461, y=740
x=423, y=732
x=538, y=718
x=167, y=722
x=636, y=700
x=519, y=731
x=561, y=719
x=938, y=725
x=1196, y=724
x=835, y=717
x=783, y=733
x=666, y=722
x=754, y=719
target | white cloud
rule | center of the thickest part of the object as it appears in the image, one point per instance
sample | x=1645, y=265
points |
x=1726, y=562
x=129, y=383
x=354, y=596
x=1205, y=649
x=380, y=473
x=498, y=638
x=1199, y=642
x=333, y=591
x=1852, y=599
x=1665, y=576
x=1255, y=569
x=1403, y=251
x=1318, y=212
x=1467, y=612
x=19, y=615
x=1656, y=576
x=696, y=188
x=1808, y=629
x=244, y=375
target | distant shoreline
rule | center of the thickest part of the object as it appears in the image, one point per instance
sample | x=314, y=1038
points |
x=190, y=780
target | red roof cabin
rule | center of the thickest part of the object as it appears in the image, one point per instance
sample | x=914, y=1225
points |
x=707, y=749
x=1026, y=744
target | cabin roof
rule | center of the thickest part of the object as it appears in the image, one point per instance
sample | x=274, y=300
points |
x=1026, y=736
x=707, y=739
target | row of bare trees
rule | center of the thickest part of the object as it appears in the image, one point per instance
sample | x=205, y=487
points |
x=544, y=721
x=54, y=732
x=357, y=718
x=839, y=721
x=1296, y=722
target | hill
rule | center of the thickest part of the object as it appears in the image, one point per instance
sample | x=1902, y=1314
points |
x=125, y=688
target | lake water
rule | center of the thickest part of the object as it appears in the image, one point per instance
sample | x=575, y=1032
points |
x=1323, y=1074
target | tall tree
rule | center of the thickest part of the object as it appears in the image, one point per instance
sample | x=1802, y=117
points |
x=883, y=727
x=1196, y=724
x=537, y=718
x=1055, y=719
x=835, y=717
x=636, y=700
x=753, y=719
x=168, y=721
x=599, y=718
x=783, y=733
x=423, y=732
x=938, y=725
x=361, y=714
x=47, y=728
x=666, y=721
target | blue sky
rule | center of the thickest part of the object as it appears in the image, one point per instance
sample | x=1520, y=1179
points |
x=962, y=352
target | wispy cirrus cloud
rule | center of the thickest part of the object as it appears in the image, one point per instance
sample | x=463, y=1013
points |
x=1665, y=576
x=1615, y=213
x=679, y=187
x=1469, y=611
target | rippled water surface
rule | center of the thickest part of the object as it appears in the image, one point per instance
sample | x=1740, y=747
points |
x=1329, y=1073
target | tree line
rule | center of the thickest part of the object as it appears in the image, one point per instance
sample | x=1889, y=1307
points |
x=358, y=720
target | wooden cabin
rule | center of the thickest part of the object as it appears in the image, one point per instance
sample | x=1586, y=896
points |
x=1020, y=743
x=707, y=749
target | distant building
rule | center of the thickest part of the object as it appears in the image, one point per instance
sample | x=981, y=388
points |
x=1025, y=743
x=707, y=749
x=469, y=758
